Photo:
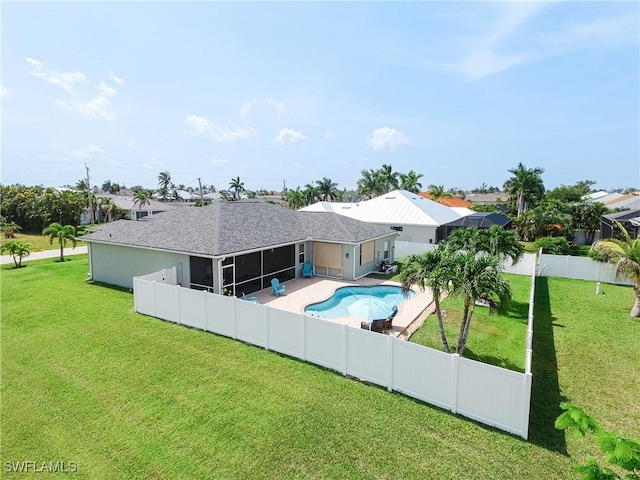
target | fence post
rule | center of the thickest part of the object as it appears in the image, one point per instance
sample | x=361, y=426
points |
x=234, y=302
x=155, y=310
x=304, y=336
x=204, y=295
x=135, y=301
x=179, y=309
x=345, y=342
x=454, y=382
x=266, y=345
x=390, y=340
x=526, y=405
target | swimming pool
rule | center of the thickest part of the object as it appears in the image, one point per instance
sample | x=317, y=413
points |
x=337, y=305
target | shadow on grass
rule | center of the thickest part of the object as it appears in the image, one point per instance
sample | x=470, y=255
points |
x=110, y=287
x=492, y=360
x=545, y=388
x=518, y=310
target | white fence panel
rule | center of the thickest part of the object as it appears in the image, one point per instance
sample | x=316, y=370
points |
x=286, y=332
x=326, y=343
x=404, y=249
x=143, y=295
x=368, y=356
x=580, y=268
x=523, y=267
x=251, y=323
x=168, y=276
x=492, y=395
x=422, y=373
x=221, y=315
x=193, y=308
x=167, y=302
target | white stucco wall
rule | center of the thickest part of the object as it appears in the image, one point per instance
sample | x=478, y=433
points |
x=117, y=265
x=414, y=233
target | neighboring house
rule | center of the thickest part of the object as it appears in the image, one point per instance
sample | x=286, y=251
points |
x=487, y=198
x=625, y=202
x=602, y=197
x=134, y=210
x=237, y=247
x=630, y=219
x=415, y=218
x=476, y=219
x=451, y=201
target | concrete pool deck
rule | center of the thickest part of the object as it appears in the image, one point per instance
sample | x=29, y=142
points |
x=304, y=291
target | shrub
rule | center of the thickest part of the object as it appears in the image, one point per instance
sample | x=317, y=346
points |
x=553, y=245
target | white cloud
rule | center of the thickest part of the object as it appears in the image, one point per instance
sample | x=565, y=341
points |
x=265, y=102
x=196, y=125
x=97, y=107
x=135, y=146
x=289, y=136
x=62, y=152
x=114, y=77
x=50, y=75
x=219, y=162
x=4, y=92
x=106, y=90
x=386, y=139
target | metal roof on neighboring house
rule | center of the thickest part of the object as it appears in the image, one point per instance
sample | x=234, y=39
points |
x=398, y=207
x=628, y=201
x=127, y=202
x=224, y=228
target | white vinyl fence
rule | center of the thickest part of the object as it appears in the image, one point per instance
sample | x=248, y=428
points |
x=404, y=249
x=580, y=268
x=488, y=394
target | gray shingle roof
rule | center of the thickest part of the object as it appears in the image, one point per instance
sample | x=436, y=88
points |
x=224, y=228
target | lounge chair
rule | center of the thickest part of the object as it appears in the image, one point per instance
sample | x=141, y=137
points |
x=277, y=288
x=374, y=325
x=307, y=270
x=250, y=299
x=388, y=323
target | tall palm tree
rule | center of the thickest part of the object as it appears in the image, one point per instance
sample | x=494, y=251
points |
x=237, y=186
x=429, y=270
x=524, y=187
x=106, y=205
x=141, y=198
x=62, y=233
x=295, y=198
x=410, y=181
x=327, y=190
x=476, y=277
x=389, y=177
x=371, y=184
x=625, y=255
x=164, y=184
x=311, y=194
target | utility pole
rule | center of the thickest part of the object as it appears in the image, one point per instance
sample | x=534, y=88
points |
x=93, y=214
x=201, y=195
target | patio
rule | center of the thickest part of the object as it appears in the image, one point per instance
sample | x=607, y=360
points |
x=304, y=291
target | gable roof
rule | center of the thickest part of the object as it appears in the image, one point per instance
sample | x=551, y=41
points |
x=224, y=228
x=127, y=202
x=451, y=201
x=398, y=207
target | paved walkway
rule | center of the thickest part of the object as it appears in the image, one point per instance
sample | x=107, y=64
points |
x=4, y=259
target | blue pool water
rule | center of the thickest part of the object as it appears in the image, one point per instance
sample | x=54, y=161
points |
x=337, y=304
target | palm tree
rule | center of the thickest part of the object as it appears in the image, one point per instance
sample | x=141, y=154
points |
x=437, y=192
x=164, y=184
x=141, y=198
x=311, y=194
x=9, y=229
x=524, y=187
x=410, y=181
x=295, y=198
x=17, y=250
x=237, y=186
x=429, y=270
x=328, y=190
x=106, y=205
x=625, y=255
x=476, y=277
x=494, y=240
x=62, y=233
x=371, y=184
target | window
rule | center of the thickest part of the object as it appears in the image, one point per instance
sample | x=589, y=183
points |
x=301, y=253
x=385, y=254
x=366, y=252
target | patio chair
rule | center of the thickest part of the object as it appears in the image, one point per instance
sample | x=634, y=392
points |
x=250, y=299
x=307, y=270
x=374, y=325
x=277, y=288
x=388, y=322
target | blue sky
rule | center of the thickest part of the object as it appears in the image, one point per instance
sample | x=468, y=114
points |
x=459, y=92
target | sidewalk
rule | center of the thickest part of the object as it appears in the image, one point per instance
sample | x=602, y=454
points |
x=4, y=259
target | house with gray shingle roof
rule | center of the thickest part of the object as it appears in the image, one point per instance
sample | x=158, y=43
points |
x=237, y=246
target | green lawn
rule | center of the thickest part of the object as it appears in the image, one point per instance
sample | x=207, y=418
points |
x=38, y=242
x=86, y=379
x=498, y=339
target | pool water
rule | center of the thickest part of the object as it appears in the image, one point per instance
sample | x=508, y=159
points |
x=336, y=306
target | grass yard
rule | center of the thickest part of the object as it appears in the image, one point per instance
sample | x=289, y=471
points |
x=39, y=242
x=498, y=339
x=86, y=379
